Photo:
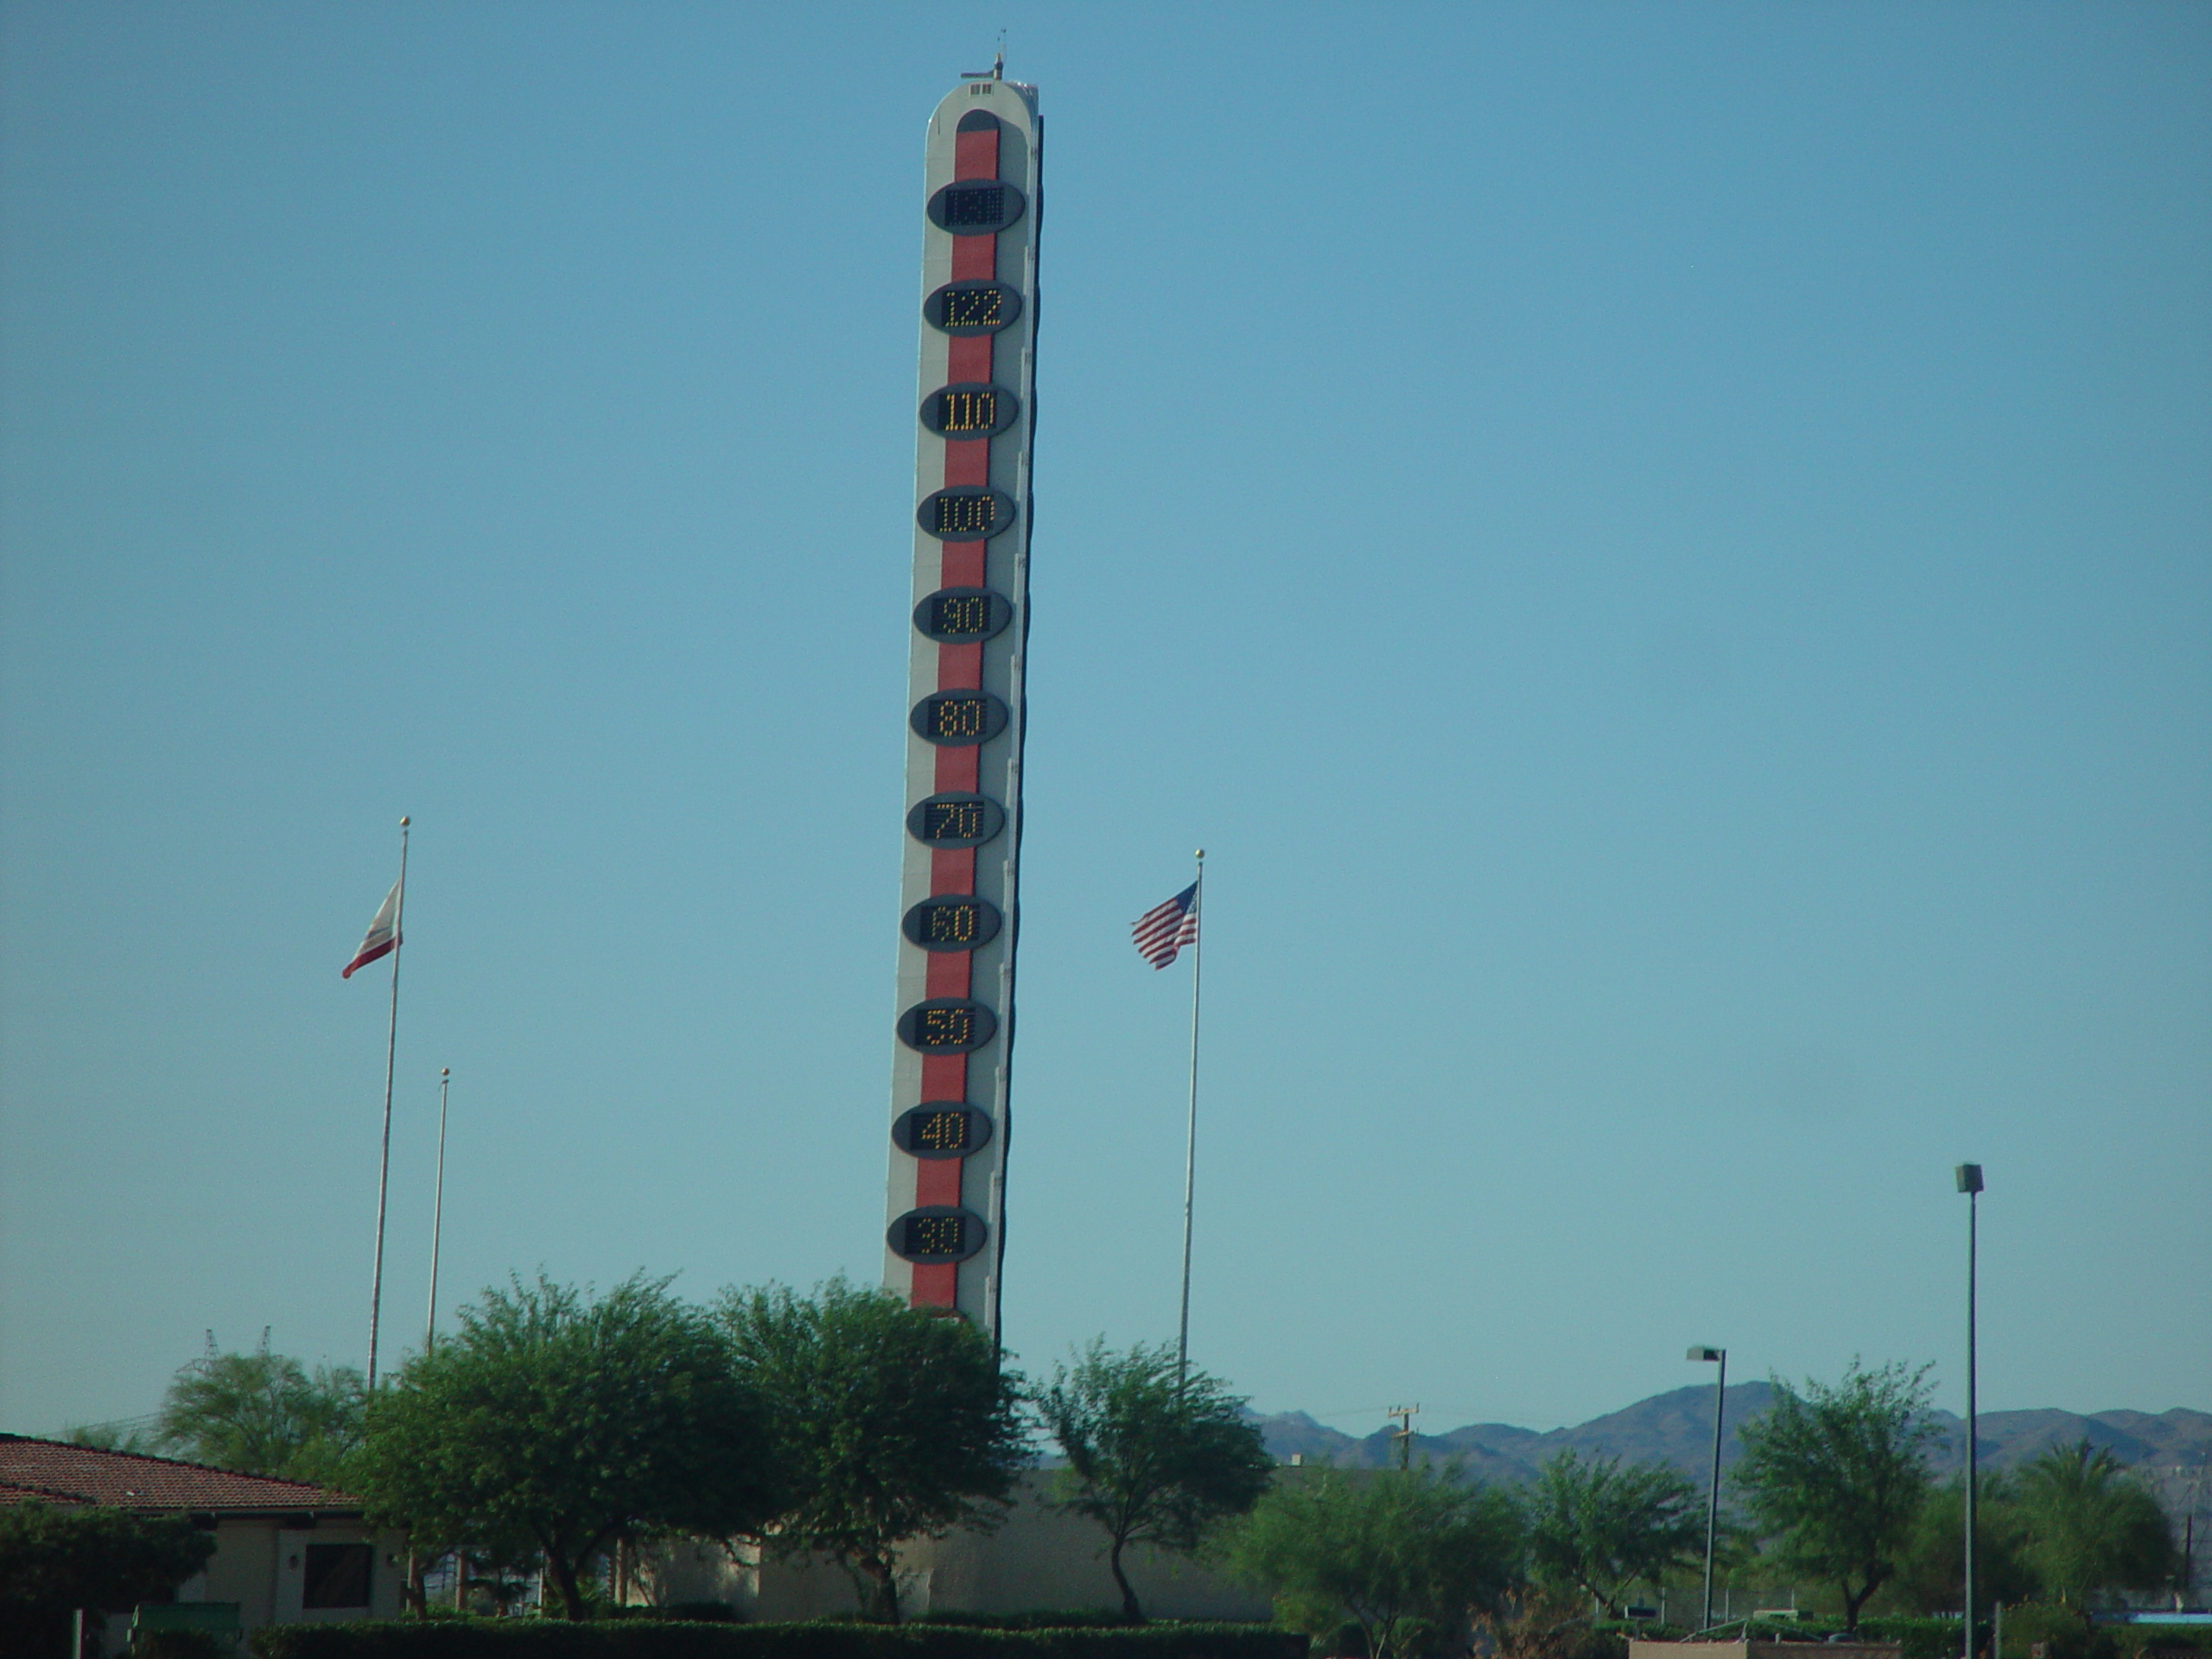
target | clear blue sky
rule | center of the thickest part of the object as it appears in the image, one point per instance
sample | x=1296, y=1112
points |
x=1665, y=552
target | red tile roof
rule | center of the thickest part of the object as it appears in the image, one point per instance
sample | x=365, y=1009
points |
x=54, y=1471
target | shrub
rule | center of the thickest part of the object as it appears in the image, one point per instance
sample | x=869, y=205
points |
x=1043, y=1620
x=638, y=1639
x=57, y=1557
x=2071, y=1634
x=1550, y=1624
x=181, y=1644
x=2065, y=1630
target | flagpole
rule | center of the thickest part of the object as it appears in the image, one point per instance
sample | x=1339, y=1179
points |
x=1191, y=1146
x=437, y=1210
x=391, y=1051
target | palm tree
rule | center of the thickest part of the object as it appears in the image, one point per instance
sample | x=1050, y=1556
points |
x=2092, y=1525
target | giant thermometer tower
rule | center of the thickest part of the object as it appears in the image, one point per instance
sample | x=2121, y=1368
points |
x=944, y=1246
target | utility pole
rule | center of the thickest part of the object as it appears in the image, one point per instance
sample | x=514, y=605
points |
x=1403, y=1434
x=2185, y=1589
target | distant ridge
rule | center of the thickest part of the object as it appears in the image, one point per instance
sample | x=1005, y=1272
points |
x=1676, y=1428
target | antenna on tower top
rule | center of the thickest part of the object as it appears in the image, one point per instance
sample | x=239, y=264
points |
x=997, y=72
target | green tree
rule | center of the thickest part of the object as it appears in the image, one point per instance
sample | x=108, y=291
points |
x=1835, y=1477
x=1931, y=1568
x=570, y=1423
x=55, y=1559
x=1601, y=1527
x=1395, y=1550
x=895, y=1422
x=263, y=1414
x=2091, y=1525
x=1151, y=1460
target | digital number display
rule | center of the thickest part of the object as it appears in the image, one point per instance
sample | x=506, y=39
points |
x=941, y=1128
x=935, y=1234
x=955, y=820
x=962, y=615
x=972, y=513
x=952, y=921
x=965, y=513
x=946, y=1028
x=956, y=719
x=970, y=206
x=970, y=409
x=967, y=411
x=947, y=1024
x=972, y=308
x=976, y=206
x=941, y=1131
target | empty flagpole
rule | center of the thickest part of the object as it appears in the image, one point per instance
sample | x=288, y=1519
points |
x=1191, y=1146
x=391, y=1051
x=437, y=1210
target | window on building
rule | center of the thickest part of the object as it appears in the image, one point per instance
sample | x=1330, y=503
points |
x=337, y=1576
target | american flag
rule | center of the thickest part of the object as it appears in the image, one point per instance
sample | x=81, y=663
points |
x=1165, y=928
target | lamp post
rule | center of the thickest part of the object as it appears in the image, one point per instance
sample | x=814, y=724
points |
x=1969, y=1180
x=1709, y=1356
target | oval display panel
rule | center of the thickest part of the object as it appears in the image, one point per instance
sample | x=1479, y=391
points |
x=962, y=616
x=937, y=1233
x=967, y=512
x=956, y=719
x=947, y=1024
x=972, y=308
x=955, y=820
x=972, y=408
x=976, y=206
x=941, y=1128
x=952, y=921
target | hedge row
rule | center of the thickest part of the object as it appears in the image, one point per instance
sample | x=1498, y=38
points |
x=534, y=1638
x=2070, y=1636
x=1058, y=1618
x=2067, y=1632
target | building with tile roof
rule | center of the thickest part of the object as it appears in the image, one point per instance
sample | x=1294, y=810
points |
x=286, y=1552
x=56, y=1471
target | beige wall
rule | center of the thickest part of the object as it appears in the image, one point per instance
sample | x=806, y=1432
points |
x=244, y=1570
x=1040, y=1559
x=257, y=1564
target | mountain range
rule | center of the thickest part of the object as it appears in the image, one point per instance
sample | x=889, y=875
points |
x=2168, y=1448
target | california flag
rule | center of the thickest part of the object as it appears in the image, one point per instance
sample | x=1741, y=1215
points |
x=382, y=935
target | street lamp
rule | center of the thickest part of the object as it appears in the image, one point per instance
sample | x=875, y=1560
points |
x=1969, y=1180
x=1709, y=1356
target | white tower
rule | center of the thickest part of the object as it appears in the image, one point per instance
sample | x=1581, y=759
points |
x=945, y=1244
